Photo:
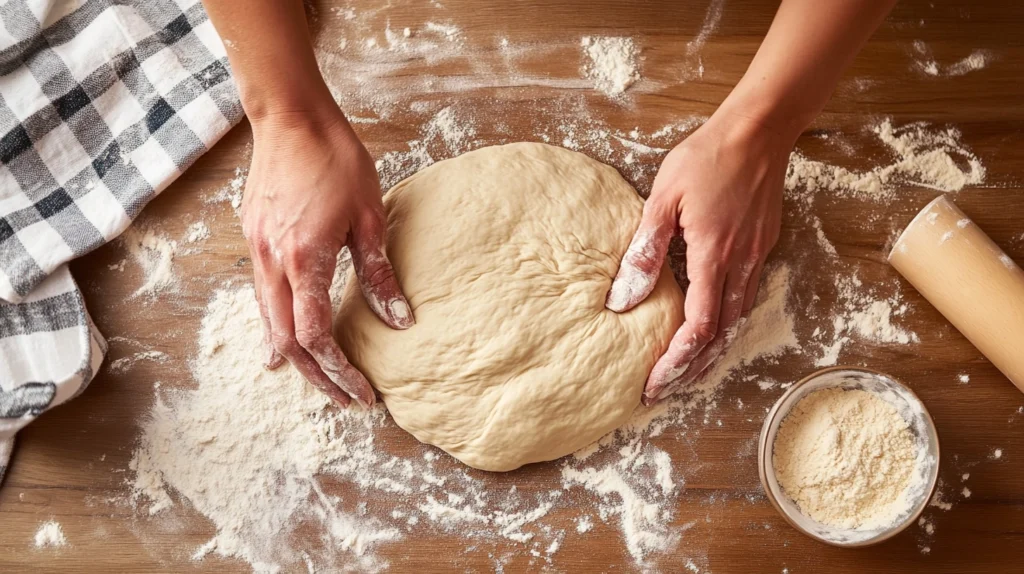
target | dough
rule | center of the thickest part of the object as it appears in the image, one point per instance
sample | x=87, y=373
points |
x=506, y=254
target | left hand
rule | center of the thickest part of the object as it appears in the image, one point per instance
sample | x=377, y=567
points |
x=721, y=189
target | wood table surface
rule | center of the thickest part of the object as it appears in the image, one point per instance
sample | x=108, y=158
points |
x=72, y=464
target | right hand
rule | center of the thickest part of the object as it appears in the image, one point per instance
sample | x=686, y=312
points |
x=721, y=189
x=312, y=189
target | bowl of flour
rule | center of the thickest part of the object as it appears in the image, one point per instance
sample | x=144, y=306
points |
x=849, y=456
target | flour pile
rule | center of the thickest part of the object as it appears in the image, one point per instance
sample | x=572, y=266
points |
x=611, y=63
x=264, y=457
x=154, y=253
x=846, y=457
x=50, y=535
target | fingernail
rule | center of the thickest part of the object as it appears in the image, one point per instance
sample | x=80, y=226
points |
x=268, y=354
x=401, y=313
x=628, y=288
x=618, y=296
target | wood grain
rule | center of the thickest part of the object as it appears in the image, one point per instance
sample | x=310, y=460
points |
x=72, y=464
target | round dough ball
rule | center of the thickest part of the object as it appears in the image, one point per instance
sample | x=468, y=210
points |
x=506, y=254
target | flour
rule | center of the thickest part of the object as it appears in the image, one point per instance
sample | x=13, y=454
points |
x=232, y=191
x=863, y=315
x=154, y=253
x=125, y=363
x=612, y=63
x=254, y=450
x=50, y=535
x=394, y=166
x=711, y=19
x=197, y=232
x=244, y=449
x=975, y=61
x=926, y=64
x=925, y=156
x=448, y=133
x=846, y=457
x=456, y=133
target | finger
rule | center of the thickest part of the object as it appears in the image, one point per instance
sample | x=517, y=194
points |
x=729, y=323
x=702, y=307
x=641, y=265
x=312, y=307
x=278, y=296
x=752, y=285
x=271, y=358
x=377, y=277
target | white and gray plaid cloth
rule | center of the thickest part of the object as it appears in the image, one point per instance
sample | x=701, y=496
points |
x=103, y=103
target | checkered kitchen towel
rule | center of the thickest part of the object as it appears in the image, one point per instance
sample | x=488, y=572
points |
x=103, y=103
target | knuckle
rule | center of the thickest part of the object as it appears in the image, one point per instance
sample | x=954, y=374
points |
x=285, y=344
x=706, y=329
x=260, y=245
x=660, y=207
x=377, y=272
x=371, y=225
x=309, y=338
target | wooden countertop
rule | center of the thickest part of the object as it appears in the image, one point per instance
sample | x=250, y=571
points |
x=71, y=465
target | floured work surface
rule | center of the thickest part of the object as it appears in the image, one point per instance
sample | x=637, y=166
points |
x=677, y=490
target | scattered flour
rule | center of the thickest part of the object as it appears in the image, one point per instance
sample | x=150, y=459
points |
x=455, y=132
x=922, y=156
x=926, y=63
x=154, y=253
x=232, y=192
x=50, y=535
x=711, y=19
x=976, y=61
x=642, y=507
x=941, y=499
x=254, y=451
x=196, y=232
x=245, y=446
x=448, y=133
x=125, y=363
x=859, y=313
x=612, y=63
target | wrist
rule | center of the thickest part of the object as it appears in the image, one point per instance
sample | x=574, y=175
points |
x=769, y=108
x=287, y=119
x=295, y=99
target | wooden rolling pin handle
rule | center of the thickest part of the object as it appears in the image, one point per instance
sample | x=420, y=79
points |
x=969, y=279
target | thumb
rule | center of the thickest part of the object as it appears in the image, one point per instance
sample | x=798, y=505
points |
x=377, y=277
x=642, y=263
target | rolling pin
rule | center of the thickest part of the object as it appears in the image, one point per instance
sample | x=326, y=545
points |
x=969, y=279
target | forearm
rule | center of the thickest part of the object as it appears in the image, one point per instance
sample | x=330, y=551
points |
x=271, y=55
x=808, y=47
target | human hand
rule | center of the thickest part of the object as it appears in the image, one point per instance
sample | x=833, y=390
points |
x=721, y=189
x=312, y=189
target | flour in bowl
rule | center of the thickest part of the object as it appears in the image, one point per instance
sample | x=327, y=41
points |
x=847, y=458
